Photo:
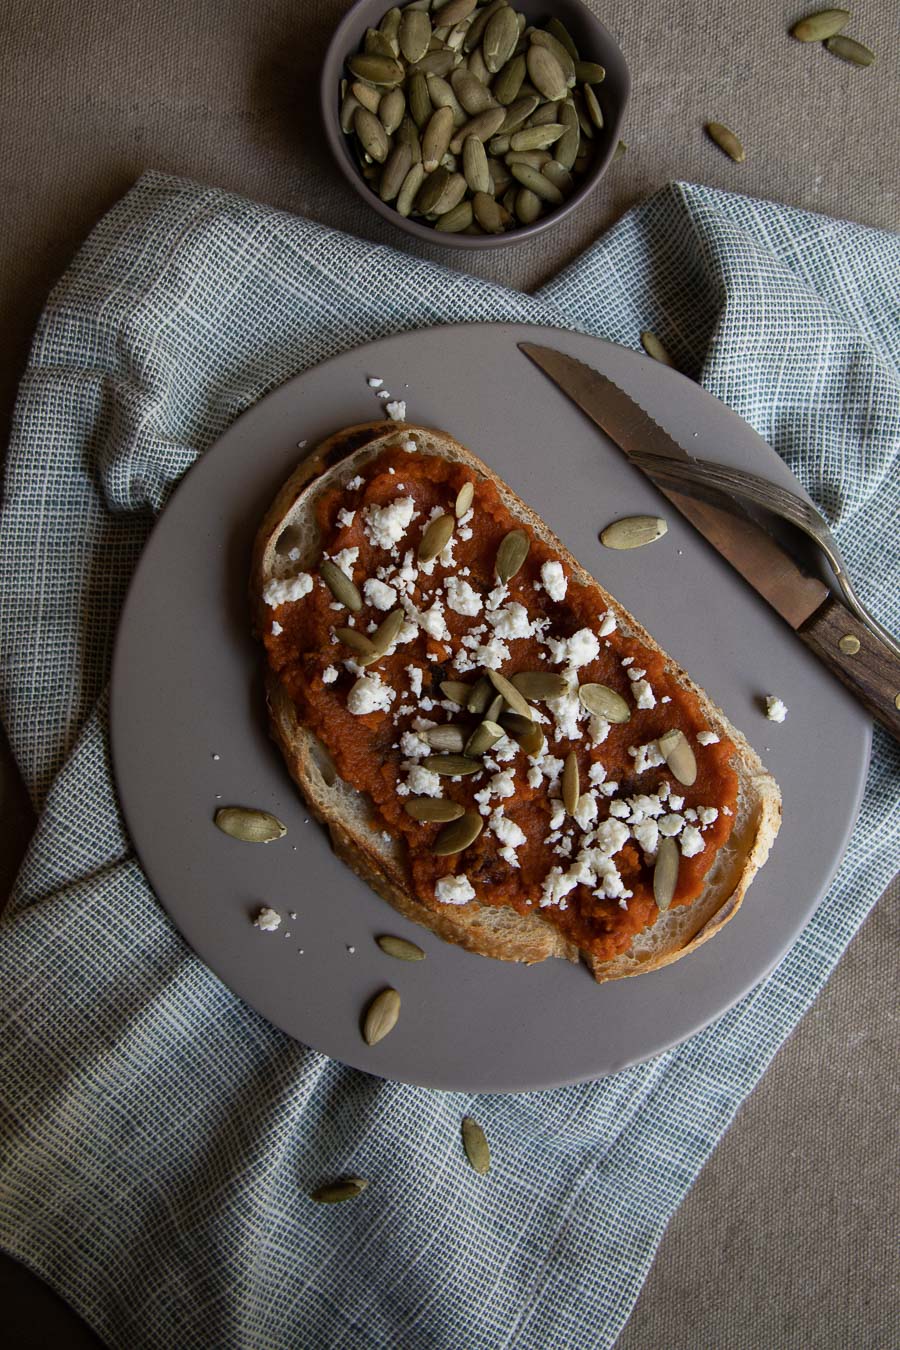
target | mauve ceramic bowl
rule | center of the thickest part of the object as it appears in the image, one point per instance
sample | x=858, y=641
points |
x=594, y=42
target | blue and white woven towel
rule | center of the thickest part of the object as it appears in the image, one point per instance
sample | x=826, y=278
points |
x=159, y=1138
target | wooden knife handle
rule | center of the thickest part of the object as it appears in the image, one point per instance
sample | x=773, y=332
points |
x=859, y=658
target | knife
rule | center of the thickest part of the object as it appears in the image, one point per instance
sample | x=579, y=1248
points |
x=824, y=623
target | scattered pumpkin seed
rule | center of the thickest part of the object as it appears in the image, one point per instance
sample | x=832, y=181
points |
x=510, y=694
x=249, y=825
x=333, y=1192
x=494, y=709
x=571, y=787
x=435, y=537
x=512, y=552
x=528, y=735
x=381, y=1016
x=458, y=835
x=486, y=734
x=604, y=702
x=653, y=347
x=620, y=150
x=357, y=642
x=633, y=531
x=446, y=737
x=540, y=684
x=457, y=691
x=452, y=765
x=848, y=49
x=340, y=585
x=464, y=499
x=430, y=809
x=388, y=631
x=817, y=27
x=676, y=751
x=400, y=948
x=665, y=872
x=726, y=141
x=480, y=696
x=593, y=107
x=475, y=1145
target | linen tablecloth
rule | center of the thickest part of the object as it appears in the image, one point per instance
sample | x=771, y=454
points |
x=159, y=1138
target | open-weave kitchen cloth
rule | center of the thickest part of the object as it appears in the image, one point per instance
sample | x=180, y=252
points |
x=159, y=1139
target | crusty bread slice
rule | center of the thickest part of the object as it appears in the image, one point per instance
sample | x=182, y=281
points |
x=489, y=930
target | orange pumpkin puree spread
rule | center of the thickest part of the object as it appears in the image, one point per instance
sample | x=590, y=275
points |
x=627, y=806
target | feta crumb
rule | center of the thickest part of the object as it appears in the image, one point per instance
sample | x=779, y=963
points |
x=497, y=596
x=671, y=824
x=345, y=560
x=267, y=919
x=415, y=679
x=619, y=810
x=643, y=694
x=596, y=773
x=557, y=814
x=355, y=483
x=423, y=782
x=580, y=649
x=454, y=890
x=691, y=841
x=707, y=738
x=586, y=810
x=776, y=711
x=647, y=757
x=554, y=580
x=384, y=395
x=635, y=673
x=396, y=410
x=329, y=674
x=502, y=784
x=345, y=517
x=535, y=777
x=556, y=885
x=410, y=447
x=461, y=597
x=413, y=746
x=386, y=525
x=511, y=622
x=627, y=660
x=511, y=836
x=277, y=629
x=598, y=730
x=675, y=802
x=491, y=654
x=368, y=695
x=285, y=591
x=379, y=594
x=607, y=623
x=647, y=835
x=374, y=381
x=707, y=814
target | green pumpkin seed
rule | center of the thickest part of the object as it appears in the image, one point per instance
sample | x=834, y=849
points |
x=372, y=135
x=431, y=190
x=419, y=100
x=382, y=70
x=381, y=1016
x=507, y=83
x=457, y=691
x=393, y=175
x=473, y=96
x=483, y=126
x=414, y=34
x=535, y=181
x=475, y=165
x=335, y=1191
x=545, y=73
x=540, y=684
x=567, y=147
x=376, y=44
x=459, y=834
x=390, y=27
x=676, y=750
x=494, y=709
x=452, y=766
x=486, y=734
x=447, y=737
x=499, y=145
x=357, y=642
x=479, y=23
x=633, y=532
x=584, y=118
x=559, y=176
x=436, y=537
x=366, y=95
x=604, y=702
x=408, y=135
x=490, y=215
x=407, y=194
x=475, y=1145
x=456, y=220
x=546, y=113
x=588, y=72
x=340, y=585
x=527, y=734
x=620, y=150
x=514, y=546
x=848, y=49
x=430, y=809
x=400, y=948
x=500, y=37
x=455, y=11
x=442, y=96
x=435, y=63
x=508, y=200
x=665, y=873
x=519, y=112
x=653, y=347
x=479, y=697
x=391, y=109
x=454, y=191
x=475, y=63
x=726, y=141
x=536, y=138
x=509, y=693
x=562, y=56
x=464, y=499
x=571, y=789
x=818, y=27
x=349, y=106
x=593, y=107
x=249, y=825
x=388, y=631
x=563, y=36
x=528, y=206
x=436, y=138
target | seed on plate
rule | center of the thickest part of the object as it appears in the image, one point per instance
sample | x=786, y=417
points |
x=540, y=684
x=435, y=537
x=726, y=141
x=486, y=734
x=464, y=499
x=400, y=948
x=676, y=751
x=512, y=552
x=604, y=702
x=452, y=766
x=249, y=825
x=633, y=531
x=559, y=176
x=459, y=834
x=335, y=1191
x=653, y=347
x=571, y=787
x=430, y=809
x=476, y=1145
x=381, y=1016
x=848, y=49
x=382, y=70
x=665, y=872
x=817, y=27
x=446, y=737
x=357, y=642
x=510, y=694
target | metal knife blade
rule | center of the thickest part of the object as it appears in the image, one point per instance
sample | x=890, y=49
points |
x=749, y=548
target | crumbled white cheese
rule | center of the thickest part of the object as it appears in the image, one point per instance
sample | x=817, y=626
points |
x=454, y=890
x=567, y=713
x=576, y=651
x=415, y=679
x=384, y=395
x=423, y=782
x=379, y=594
x=707, y=814
x=503, y=784
x=432, y=621
x=598, y=730
x=675, y=802
x=368, y=695
x=355, y=483
x=345, y=518
x=691, y=841
x=511, y=621
x=267, y=919
x=497, y=596
x=277, y=629
x=707, y=738
x=643, y=694
x=491, y=654
x=285, y=591
x=627, y=660
x=374, y=381
x=386, y=525
x=555, y=887
x=410, y=447
x=586, y=810
x=611, y=835
x=647, y=835
x=636, y=673
x=620, y=810
x=509, y=834
x=461, y=597
x=554, y=580
x=345, y=560
x=329, y=674
x=671, y=824
x=557, y=814
x=607, y=623
x=596, y=773
x=776, y=711
x=644, y=805
x=647, y=756
x=397, y=410
x=413, y=746
x=535, y=777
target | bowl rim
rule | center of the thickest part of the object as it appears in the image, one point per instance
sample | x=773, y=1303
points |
x=329, y=86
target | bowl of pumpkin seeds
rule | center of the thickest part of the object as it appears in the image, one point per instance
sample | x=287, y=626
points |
x=473, y=123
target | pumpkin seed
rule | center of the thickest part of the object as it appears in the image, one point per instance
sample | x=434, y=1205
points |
x=411, y=184
x=452, y=194
x=388, y=631
x=390, y=27
x=436, y=138
x=334, y=1191
x=457, y=691
x=431, y=190
x=519, y=112
x=499, y=145
x=619, y=151
x=391, y=108
x=459, y=834
x=382, y=70
x=535, y=181
x=483, y=126
x=567, y=147
x=372, y=134
x=480, y=696
x=349, y=105
x=340, y=585
x=393, y=175
x=414, y=34
x=593, y=107
x=536, y=138
x=588, y=72
x=447, y=737
x=429, y=809
x=419, y=100
x=376, y=44
x=494, y=709
x=452, y=766
x=653, y=347
x=536, y=158
x=464, y=499
x=563, y=57
x=571, y=789
x=381, y=1016
x=633, y=531
x=479, y=23
x=365, y=94
x=249, y=825
x=848, y=49
x=540, y=684
x=400, y=948
x=726, y=141
x=500, y=37
x=528, y=735
x=547, y=112
x=455, y=11
x=509, y=199
x=545, y=73
x=457, y=219
x=435, y=63
x=473, y=96
x=475, y=165
x=510, y=693
x=442, y=96
x=476, y=1147
x=528, y=206
x=475, y=63
x=559, y=176
x=818, y=27
x=513, y=548
x=435, y=538
x=665, y=872
x=490, y=215
x=408, y=134
x=507, y=83
x=604, y=702
x=357, y=642
x=581, y=112
x=676, y=751
x=486, y=734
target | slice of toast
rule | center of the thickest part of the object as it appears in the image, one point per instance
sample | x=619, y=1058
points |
x=491, y=930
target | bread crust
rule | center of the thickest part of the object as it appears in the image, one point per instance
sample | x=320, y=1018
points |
x=493, y=931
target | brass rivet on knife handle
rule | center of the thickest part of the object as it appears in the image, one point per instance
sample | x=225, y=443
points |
x=665, y=873
x=458, y=835
x=571, y=787
x=849, y=644
x=675, y=750
x=340, y=585
x=510, y=694
x=381, y=1016
x=511, y=554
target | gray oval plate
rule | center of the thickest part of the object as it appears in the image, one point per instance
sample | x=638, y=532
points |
x=189, y=726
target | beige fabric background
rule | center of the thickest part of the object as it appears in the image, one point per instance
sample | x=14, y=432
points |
x=789, y=1238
